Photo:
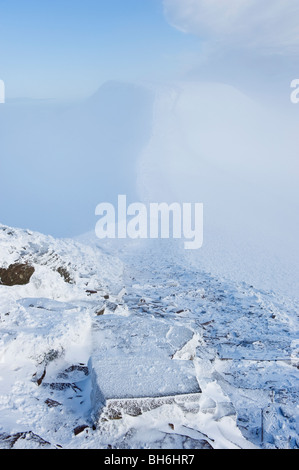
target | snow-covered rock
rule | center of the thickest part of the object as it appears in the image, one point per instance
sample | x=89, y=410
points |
x=129, y=346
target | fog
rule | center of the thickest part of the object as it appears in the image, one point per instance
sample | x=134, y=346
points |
x=58, y=161
x=224, y=133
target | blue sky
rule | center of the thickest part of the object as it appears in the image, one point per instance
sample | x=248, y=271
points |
x=68, y=48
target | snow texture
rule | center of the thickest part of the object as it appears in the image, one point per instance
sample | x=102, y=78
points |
x=136, y=348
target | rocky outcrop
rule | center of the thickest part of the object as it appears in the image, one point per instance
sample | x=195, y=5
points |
x=16, y=274
x=22, y=440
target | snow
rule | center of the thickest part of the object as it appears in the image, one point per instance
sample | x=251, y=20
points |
x=141, y=350
x=134, y=358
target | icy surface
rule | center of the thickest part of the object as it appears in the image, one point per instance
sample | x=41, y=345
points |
x=133, y=358
x=136, y=348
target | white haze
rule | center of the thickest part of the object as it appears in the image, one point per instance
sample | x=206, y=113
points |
x=226, y=135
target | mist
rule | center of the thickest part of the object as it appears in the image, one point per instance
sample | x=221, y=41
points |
x=222, y=131
x=58, y=161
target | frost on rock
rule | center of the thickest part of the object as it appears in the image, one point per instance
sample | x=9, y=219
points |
x=132, y=363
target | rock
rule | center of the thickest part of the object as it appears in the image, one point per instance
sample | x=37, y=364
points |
x=62, y=386
x=79, y=368
x=52, y=403
x=74, y=373
x=100, y=311
x=178, y=441
x=16, y=274
x=38, y=378
x=80, y=429
x=65, y=275
x=8, y=441
x=111, y=306
x=190, y=443
x=52, y=355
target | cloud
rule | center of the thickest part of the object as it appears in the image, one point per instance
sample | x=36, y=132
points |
x=267, y=26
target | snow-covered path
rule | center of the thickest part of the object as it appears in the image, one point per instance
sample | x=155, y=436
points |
x=141, y=351
x=242, y=342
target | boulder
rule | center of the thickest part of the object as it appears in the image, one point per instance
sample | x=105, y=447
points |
x=16, y=274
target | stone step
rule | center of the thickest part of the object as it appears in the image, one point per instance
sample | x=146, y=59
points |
x=132, y=359
x=115, y=408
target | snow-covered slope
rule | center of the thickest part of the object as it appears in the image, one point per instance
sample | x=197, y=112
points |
x=46, y=324
x=129, y=346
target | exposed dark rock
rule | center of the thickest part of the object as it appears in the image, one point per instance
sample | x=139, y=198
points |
x=79, y=368
x=16, y=274
x=8, y=441
x=38, y=378
x=115, y=414
x=65, y=275
x=76, y=372
x=80, y=429
x=52, y=403
x=100, y=312
x=62, y=386
x=52, y=355
x=8, y=231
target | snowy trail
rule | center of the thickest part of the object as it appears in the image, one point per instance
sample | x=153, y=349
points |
x=243, y=343
x=141, y=351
